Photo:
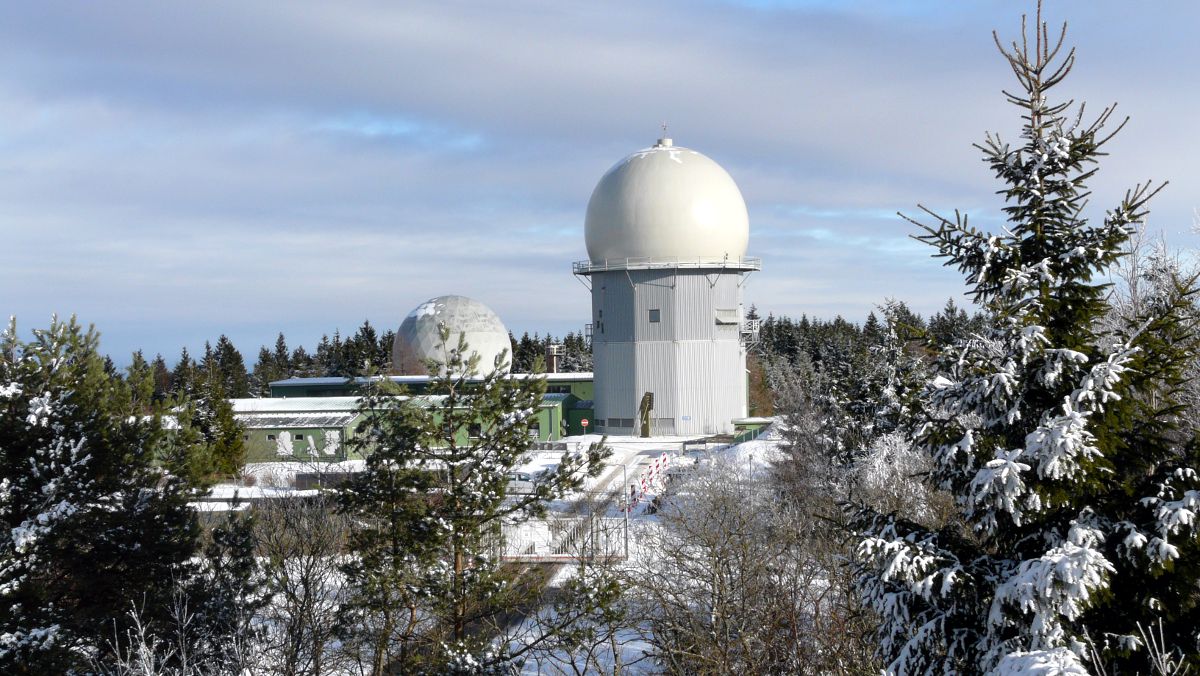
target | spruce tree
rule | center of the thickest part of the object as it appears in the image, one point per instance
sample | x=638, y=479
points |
x=230, y=367
x=224, y=594
x=577, y=354
x=872, y=330
x=952, y=324
x=384, y=347
x=363, y=353
x=162, y=378
x=1075, y=496
x=140, y=378
x=264, y=372
x=282, y=357
x=223, y=437
x=206, y=406
x=302, y=363
x=184, y=375
x=273, y=364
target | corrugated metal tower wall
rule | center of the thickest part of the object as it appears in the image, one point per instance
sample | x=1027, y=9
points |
x=675, y=333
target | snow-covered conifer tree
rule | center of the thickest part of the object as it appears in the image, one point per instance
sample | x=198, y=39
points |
x=835, y=412
x=90, y=524
x=1077, y=501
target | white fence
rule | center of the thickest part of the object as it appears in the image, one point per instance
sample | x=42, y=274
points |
x=564, y=539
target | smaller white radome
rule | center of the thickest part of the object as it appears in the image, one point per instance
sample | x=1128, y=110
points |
x=666, y=202
x=418, y=338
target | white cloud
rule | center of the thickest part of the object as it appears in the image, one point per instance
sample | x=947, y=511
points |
x=172, y=172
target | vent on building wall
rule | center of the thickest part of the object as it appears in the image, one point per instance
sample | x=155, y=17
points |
x=727, y=317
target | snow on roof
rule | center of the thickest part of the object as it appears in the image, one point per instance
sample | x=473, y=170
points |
x=427, y=400
x=294, y=404
x=417, y=380
x=557, y=377
x=753, y=420
x=298, y=405
x=315, y=381
x=256, y=421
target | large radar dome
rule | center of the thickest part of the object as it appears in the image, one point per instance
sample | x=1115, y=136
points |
x=418, y=338
x=666, y=202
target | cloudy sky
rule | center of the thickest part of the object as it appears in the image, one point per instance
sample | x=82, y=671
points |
x=174, y=171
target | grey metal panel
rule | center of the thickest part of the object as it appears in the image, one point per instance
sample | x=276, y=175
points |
x=662, y=427
x=713, y=392
x=694, y=300
x=694, y=366
x=614, y=379
x=657, y=372
x=612, y=306
x=655, y=291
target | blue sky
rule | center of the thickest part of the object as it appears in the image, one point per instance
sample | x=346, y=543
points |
x=171, y=172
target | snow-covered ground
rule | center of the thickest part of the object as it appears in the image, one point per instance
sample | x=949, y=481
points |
x=749, y=460
x=265, y=480
x=629, y=457
x=283, y=474
x=629, y=461
x=750, y=457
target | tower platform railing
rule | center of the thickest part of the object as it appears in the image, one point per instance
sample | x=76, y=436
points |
x=750, y=332
x=743, y=264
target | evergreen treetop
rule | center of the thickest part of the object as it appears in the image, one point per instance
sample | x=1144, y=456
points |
x=1055, y=435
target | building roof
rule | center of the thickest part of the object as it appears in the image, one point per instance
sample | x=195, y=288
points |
x=753, y=420
x=294, y=404
x=316, y=381
x=258, y=421
x=420, y=380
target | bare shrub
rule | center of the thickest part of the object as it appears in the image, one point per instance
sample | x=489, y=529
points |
x=734, y=580
x=301, y=542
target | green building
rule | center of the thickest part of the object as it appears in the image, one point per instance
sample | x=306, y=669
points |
x=301, y=428
x=321, y=428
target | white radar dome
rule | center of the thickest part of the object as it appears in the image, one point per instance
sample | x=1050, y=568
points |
x=666, y=202
x=418, y=338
